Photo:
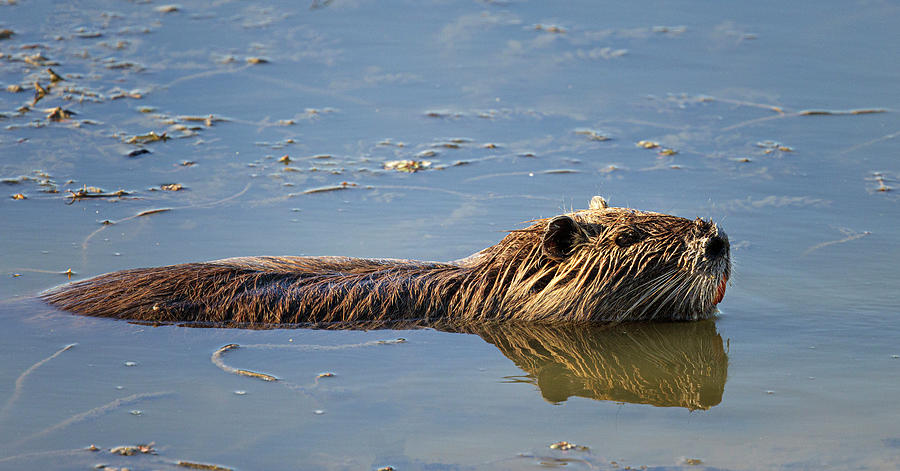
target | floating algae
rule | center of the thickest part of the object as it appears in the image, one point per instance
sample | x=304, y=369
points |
x=149, y=137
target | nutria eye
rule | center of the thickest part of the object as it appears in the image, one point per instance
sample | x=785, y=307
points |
x=628, y=238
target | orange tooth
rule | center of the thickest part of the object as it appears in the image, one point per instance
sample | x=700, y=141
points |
x=720, y=291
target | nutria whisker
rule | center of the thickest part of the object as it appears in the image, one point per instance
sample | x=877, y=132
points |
x=599, y=264
x=651, y=290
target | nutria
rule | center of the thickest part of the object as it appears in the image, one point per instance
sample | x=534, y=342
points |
x=599, y=264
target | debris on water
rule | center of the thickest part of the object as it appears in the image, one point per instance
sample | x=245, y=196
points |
x=690, y=461
x=152, y=211
x=130, y=450
x=114, y=64
x=19, y=196
x=168, y=8
x=408, y=166
x=490, y=145
x=138, y=152
x=39, y=92
x=879, y=178
x=208, y=467
x=592, y=135
x=386, y=468
x=390, y=342
x=667, y=152
x=426, y=153
x=147, y=448
x=38, y=60
x=187, y=163
x=92, y=192
x=841, y=112
x=171, y=187
x=326, y=374
x=257, y=60
x=325, y=189
x=285, y=159
x=240, y=392
x=321, y=156
x=130, y=363
x=81, y=95
x=186, y=131
x=206, y=120
x=118, y=93
x=6, y=33
x=566, y=446
x=149, y=137
x=217, y=360
x=14, y=88
x=648, y=144
x=254, y=374
x=59, y=114
x=93, y=448
x=54, y=77
x=557, y=171
x=772, y=146
x=770, y=392
x=319, y=412
x=136, y=412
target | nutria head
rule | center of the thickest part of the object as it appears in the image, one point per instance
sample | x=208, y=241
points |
x=617, y=264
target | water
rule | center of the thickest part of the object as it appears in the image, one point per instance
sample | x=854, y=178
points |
x=798, y=372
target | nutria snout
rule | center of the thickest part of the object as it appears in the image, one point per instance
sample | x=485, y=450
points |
x=598, y=264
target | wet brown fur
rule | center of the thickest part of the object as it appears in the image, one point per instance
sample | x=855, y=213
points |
x=600, y=264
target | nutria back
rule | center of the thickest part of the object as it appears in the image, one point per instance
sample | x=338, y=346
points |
x=599, y=264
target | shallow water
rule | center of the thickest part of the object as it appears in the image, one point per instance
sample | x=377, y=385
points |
x=799, y=371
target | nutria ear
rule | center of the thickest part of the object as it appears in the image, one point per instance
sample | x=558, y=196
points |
x=599, y=202
x=562, y=234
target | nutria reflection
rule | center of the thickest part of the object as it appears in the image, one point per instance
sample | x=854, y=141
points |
x=665, y=365
x=671, y=364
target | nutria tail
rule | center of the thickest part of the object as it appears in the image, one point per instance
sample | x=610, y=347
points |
x=171, y=293
x=255, y=290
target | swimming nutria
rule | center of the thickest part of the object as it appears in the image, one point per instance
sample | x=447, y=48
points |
x=599, y=264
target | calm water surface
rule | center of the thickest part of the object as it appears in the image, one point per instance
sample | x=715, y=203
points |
x=522, y=110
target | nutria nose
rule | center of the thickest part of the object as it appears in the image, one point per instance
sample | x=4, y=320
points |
x=716, y=247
